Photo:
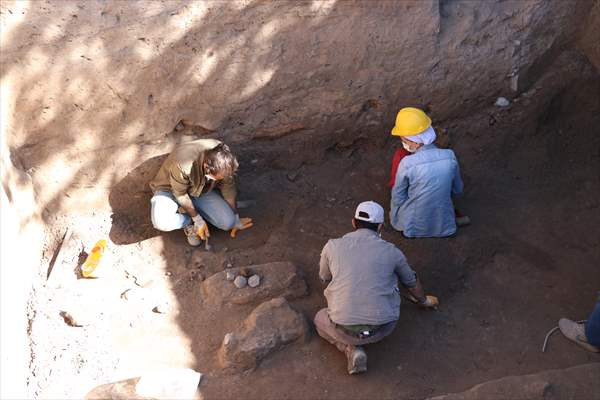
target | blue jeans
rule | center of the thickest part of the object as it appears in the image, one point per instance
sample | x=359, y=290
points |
x=213, y=208
x=592, y=326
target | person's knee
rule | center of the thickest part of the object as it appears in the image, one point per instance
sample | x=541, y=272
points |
x=321, y=319
x=229, y=222
x=161, y=222
x=163, y=214
x=224, y=221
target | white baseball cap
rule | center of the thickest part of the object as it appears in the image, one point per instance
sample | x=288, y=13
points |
x=369, y=211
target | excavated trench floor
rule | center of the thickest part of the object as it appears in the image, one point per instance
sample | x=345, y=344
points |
x=530, y=256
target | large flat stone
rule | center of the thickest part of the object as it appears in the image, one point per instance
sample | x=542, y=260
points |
x=270, y=326
x=278, y=279
x=580, y=382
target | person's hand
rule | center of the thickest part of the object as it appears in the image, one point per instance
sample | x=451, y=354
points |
x=240, y=224
x=201, y=227
x=430, y=302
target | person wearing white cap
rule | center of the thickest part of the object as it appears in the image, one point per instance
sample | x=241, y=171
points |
x=421, y=203
x=363, y=300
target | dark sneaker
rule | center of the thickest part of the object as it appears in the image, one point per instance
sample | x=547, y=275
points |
x=576, y=332
x=192, y=237
x=357, y=360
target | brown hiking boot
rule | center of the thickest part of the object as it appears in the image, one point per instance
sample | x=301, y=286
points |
x=576, y=332
x=357, y=360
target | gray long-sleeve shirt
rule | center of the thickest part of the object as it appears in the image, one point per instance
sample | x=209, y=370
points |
x=364, y=271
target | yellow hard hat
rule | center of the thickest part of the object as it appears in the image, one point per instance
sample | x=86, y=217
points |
x=410, y=121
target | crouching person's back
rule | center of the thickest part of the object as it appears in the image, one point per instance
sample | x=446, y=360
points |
x=363, y=300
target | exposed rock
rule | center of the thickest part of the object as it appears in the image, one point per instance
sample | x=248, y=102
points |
x=269, y=327
x=502, y=102
x=171, y=383
x=254, y=281
x=121, y=390
x=76, y=319
x=293, y=175
x=514, y=83
x=580, y=382
x=162, y=308
x=278, y=279
x=229, y=275
x=240, y=281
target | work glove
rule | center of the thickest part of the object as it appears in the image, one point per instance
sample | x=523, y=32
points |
x=430, y=302
x=240, y=224
x=200, y=227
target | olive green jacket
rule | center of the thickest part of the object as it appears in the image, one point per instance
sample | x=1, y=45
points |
x=182, y=172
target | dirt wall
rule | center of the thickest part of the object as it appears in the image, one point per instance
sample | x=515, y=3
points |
x=95, y=87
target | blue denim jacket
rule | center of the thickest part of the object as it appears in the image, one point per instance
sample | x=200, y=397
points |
x=421, y=204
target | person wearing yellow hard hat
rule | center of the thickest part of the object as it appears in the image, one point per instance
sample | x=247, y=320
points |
x=421, y=203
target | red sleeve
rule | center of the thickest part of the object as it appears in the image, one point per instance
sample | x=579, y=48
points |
x=398, y=156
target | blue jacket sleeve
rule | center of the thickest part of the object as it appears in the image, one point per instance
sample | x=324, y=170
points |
x=400, y=189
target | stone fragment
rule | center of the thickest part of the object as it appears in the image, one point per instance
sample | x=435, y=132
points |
x=240, y=282
x=171, y=383
x=229, y=275
x=120, y=390
x=514, y=83
x=73, y=320
x=162, y=308
x=254, y=281
x=293, y=175
x=136, y=295
x=502, y=102
x=278, y=279
x=269, y=327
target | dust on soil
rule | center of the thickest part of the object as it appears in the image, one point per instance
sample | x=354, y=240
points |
x=530, y=256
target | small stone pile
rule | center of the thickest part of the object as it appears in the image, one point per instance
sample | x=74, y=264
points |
x=245, y=277
x=262, y=282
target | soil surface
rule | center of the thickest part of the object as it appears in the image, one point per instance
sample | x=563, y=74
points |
x=530, y=257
